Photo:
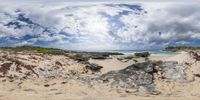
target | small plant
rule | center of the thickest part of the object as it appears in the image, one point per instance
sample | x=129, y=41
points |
x=38, y=49
x=178, y=48
x=146, y=59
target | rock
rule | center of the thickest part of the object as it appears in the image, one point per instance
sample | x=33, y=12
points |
x=5, y=68
x=100, y=57
x=58, y=93
x=172, y=71
x=94, y=67
x=146, y=66
x=131, y=77
x=131, y=90
x=58, y=63
x=197, y=75
x=141, y=75
x=30, y=90
x=155, y=93
x=142, y=54
x=63, y=82
x=85, y=56
x=46, y=85
x=80, y=58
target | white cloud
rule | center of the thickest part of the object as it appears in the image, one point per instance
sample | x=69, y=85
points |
x=170, y=24
x=102, y=26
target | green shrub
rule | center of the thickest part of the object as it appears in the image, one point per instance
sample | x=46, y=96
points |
x=38, y=49
x=178, y=48
x=146, y=59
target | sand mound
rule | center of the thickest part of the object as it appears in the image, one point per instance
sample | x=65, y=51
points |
x=23, y=66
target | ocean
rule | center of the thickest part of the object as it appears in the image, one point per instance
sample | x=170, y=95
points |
x=152, y=52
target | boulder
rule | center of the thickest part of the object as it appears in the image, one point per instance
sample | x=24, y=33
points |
x=94, y=67
x=99, y=57
x=133, y=76
x=142, y=54
x=172, y=71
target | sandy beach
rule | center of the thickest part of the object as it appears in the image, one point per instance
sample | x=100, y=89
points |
x=57, y=77
x=99, y=50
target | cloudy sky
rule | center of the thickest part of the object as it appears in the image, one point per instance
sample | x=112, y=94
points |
x=100, y=25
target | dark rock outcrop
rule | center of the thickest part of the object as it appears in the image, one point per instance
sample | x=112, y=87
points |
x=142, y=75
x=94, y=67
x=80, y=58
x=142, y=54
x=131, y=77
x=100, y=57
x=85, y=56
x=197, y=75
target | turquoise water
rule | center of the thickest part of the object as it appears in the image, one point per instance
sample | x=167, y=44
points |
x=152, y=52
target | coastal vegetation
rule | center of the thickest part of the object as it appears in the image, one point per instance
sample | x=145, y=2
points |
x=37, y=49
x=179, y=48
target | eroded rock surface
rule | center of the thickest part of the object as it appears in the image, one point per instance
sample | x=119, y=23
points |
x=131, y=77
x=173, y=71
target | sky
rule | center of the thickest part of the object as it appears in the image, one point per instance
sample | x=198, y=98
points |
x=100, y=24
